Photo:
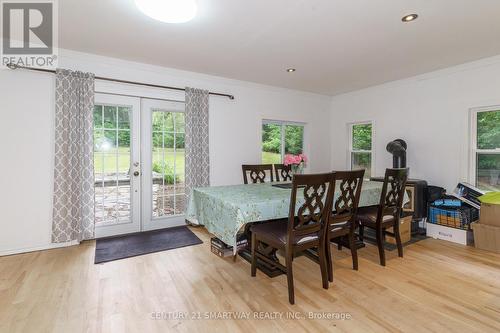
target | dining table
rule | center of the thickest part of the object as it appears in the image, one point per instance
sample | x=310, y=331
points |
x=226, y=211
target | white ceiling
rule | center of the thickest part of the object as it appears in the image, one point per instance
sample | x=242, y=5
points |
x=336, y=45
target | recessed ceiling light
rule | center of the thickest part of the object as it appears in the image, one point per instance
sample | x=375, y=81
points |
x=409, y=18
x=169, y=11
x=290, y=70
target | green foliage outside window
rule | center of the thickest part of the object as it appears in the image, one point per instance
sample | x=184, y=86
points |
x=271, y=138
x=488, y=137
x=488, y=130
x=361, y=140
x=167, y=171
x=362, y=137
x=294, y=139
x=272, y=144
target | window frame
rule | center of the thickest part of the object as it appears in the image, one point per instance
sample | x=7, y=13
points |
x=283, y=124
x=350, y=149
x=473, y=150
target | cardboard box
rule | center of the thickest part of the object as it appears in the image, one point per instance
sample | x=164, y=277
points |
x=490, y=214
x=454, y=235
x=486, y=237
x=404, y=231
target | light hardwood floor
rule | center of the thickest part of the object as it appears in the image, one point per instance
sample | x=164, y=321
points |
x=437, y=286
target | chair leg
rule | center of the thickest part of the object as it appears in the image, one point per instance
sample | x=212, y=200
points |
x=254, y=257
x=329, y=259
x=361, y=232
x=397, y=235
x=339, y=244
x=380, y=243
x=289, y=276
x=354, y=250
x=323, y=264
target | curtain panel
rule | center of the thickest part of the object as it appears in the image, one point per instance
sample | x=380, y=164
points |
x=73, y=205
x=197, y=162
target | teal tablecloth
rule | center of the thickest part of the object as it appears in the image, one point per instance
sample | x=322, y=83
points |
x=224, y=210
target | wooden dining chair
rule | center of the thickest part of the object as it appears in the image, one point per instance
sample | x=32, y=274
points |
x=283, y=172
x=257, y=173
x=301, y=232
x=342, y=222
x=388, y=212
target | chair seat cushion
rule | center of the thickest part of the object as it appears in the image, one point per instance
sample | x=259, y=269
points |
x=368, y=216
x=277, y=231
x=338, y=226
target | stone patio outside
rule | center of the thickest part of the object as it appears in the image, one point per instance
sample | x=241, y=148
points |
x=112, y=197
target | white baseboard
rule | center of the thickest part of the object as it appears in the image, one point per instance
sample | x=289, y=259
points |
x=72, y=243
x=38, y=248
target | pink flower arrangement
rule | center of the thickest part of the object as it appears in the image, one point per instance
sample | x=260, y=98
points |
x=295, y=159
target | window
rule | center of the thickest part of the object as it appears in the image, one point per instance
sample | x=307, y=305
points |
x=485, y=159
x=360, y=147
x=280, y=138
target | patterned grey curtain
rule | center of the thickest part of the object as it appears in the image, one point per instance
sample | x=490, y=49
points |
x=73, y=211
x=196, y=141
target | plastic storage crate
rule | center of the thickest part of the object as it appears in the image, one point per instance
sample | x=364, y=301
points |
x=452, y=213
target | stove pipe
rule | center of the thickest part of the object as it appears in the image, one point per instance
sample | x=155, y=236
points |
x=398, y=150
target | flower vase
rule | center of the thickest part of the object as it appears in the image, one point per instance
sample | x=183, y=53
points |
x=298, y=169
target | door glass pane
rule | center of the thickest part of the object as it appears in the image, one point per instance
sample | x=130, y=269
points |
x=123, y=117
x=109, y=141
x=294, y=139
x=362, y=137
x=271, y=143
x=168, y=163
x=168, y=122
x=362, y=161
x=488, y=172
x=98, y=120
x=157, y=121
x=110, y=116
x=112, y=163
x=488, y=130
x=179, y=122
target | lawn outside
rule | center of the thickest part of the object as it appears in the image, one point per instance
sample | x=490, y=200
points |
x=271, y=158
x=109, y=161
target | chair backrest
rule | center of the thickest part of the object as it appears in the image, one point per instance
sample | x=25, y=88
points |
x=345, y=206
x=391, y=198
x=257, y=173
x=283, y=172
x=315, y=205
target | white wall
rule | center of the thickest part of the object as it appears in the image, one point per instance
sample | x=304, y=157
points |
x=27, y=126
x=430, y=112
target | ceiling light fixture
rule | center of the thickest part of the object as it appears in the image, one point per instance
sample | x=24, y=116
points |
x=169, y=11
x=290, y=70
x=409, y=18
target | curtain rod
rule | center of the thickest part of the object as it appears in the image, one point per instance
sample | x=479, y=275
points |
x=14, y=66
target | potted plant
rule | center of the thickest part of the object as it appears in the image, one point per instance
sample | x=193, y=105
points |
x=296, y=162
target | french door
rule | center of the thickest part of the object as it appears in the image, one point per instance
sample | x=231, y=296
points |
x=163, y=197
x=138, y=164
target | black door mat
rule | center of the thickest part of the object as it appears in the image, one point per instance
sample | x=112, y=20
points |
x=131, y=245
